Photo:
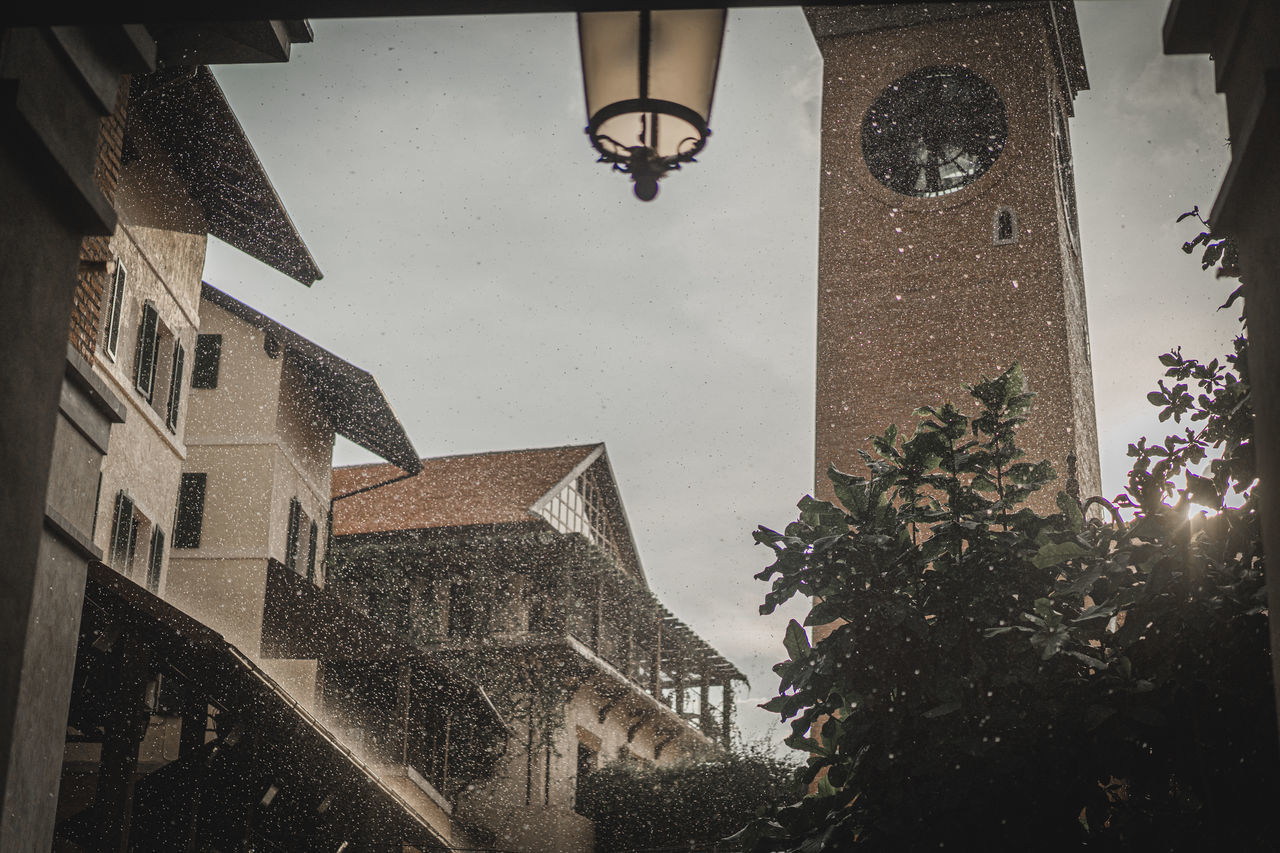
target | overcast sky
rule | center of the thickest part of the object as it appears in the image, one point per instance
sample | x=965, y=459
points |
x=509, y=292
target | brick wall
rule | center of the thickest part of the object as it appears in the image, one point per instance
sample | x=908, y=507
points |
x=915, y=297
x=95, y=252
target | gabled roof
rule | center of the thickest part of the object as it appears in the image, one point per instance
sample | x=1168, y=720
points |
x=188, y=113
x=349, y=397
x=455, y=491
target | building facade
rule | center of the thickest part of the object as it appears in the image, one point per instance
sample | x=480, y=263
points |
x=949, y=246
x=137, y=319
x=520, y=569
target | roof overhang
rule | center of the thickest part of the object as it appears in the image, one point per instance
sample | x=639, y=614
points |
x=1060, y=20
x=227, y=42
x=186, y=111
x=349, y=397
x=292, y=744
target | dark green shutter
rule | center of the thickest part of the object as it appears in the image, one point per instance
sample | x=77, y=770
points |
x=133, y=541
x=144, y=363
x=157, y=559
x=186, y=529
x=291, y=544
x=175, y=388
x=312, y=542
x=207, y=361
x=121, y=532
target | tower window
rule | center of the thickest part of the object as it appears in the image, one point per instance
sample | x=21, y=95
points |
x=934, y=131
x=1004, y=228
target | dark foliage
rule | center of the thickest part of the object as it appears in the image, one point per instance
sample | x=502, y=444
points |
x=1004, y=680
x=691, y=806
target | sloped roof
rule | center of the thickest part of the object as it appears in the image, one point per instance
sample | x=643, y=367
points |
x=454, y=491
x=349, y=397
x=187, y=111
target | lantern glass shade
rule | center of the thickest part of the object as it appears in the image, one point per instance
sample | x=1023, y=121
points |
x=649, y=79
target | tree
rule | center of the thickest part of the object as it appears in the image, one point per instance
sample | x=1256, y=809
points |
x=1003, y=679
x=694, y=805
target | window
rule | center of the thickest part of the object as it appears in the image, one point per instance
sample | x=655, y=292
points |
x=124, y=534
x=148, y=352
x=313, y=539
x=190, y=520
x=462, y=609
x=934, y=131
x=175, y=388
x=1004, y=227
x=115, y=307
x=157, y=559
x=204, y=372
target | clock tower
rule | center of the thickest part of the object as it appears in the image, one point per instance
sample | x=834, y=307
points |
x=948, y=243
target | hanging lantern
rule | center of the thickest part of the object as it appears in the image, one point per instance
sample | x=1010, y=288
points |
x=649, y=78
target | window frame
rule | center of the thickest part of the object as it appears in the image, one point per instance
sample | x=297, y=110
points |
x=996, y=238
x=147, y=355
x=115, y=312
x=173, y=408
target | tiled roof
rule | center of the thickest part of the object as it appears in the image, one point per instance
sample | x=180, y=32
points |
x=452, y=491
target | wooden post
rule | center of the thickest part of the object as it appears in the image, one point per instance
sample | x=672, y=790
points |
x=726, y=712
x=677, y=677
x=597, y=615
x=400, y=719
x=125, y=727
x=705, y=721
x=195, y=721
x=655, y=673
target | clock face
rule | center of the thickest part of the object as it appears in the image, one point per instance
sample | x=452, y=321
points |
x=934, y=131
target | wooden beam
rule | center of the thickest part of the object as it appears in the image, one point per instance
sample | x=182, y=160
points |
x=644, y=717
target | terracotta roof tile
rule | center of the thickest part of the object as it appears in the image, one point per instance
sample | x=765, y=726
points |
x=452, y=491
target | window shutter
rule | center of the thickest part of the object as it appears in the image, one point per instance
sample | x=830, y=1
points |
x=186, y=529
x=291, y=543
x=115, y=305
x=313, y=541
x=133, y=540
x=208, y=360
x=175, y=388
x=157, y=559
x=121, y=530
x=144, y=364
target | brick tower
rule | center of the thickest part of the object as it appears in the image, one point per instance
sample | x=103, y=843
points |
x=948, y=242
